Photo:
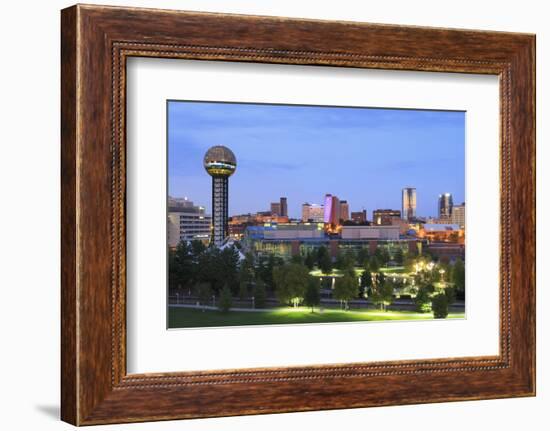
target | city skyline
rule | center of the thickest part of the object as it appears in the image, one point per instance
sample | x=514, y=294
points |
x=287, y=145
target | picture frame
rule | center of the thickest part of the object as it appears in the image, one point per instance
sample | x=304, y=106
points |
x=96, y=42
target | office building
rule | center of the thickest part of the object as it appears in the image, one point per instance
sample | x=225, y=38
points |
x=187, y=222
x=332, y=210
x=313, y=213
x=385, y=217
x=284, y=207
x=445, y=206
x=408, y=203
x=359, y=217
x=344, y=211
x=275, y=209
x=220, y=163
x=458, y=215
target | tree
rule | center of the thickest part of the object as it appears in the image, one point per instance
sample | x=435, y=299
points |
x=422, y=299
x=325, y=263
x=363, y=256
x=382, y=255
x=450, y=292
x=366, y=283
x=226, y=301
x=243, y=290
x=382, y=294
x=259, y=294
x=309, y=261
x=374, y=264
x=346, y=287
x=398, y=257
x=204, y=292
x=458, y=278
x=180, y=266
x=312, y=295
x=291, y=281
x=440, y=306
x=246, y=275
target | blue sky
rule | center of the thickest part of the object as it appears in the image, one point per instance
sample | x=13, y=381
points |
x=362, y=155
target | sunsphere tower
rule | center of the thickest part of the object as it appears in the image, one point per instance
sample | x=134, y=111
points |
x=220, y=163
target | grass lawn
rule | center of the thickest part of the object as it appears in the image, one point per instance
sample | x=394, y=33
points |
x=193, y=318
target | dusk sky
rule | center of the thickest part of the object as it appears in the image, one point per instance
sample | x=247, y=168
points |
x=362, y=155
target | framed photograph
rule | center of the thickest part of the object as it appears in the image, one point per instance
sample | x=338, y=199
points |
x=265, y=215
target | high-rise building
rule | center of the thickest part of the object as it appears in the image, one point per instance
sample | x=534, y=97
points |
x=385, y=217
x=445, y=206
x=408, y=203
x=458, y=215
x=344, y=210
x=275, y=209
x=284, y=207
x=313, y=213
x=220, y=163
x=187, y=222
x=359, y=216
x=332, y=210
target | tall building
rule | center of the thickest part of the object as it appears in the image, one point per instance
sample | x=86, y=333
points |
x=284, y=207
x=458, y=215
x=445, y=206
x=408, y=203
x=385, y=217
x=344, y=210
x=275, y=209
x=313, y=213
x=332, y=210
x=187, y=222
x=359, y=216
x=220, y=163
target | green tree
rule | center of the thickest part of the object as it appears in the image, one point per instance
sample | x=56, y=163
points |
x=312, y=295
x=458, y=278
x=450, y=292
x=260, y=294
x=382, y=294
x=382, y=255
x=366, y=283
x=422, y=300
x=243, y=289
x=374, y=264
x=180, y=266
x=346, y=287
x=226, y=301
x=309, y=261
x=325, y=264
x=363, y=256
x=440, y=306
x=291, y=281
x=398, y=257
x=204, y=293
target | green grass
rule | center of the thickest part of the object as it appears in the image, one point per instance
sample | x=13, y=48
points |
x=193, y=318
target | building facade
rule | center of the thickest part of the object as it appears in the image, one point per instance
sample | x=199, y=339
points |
x=385, y=217
x=187, y=222
x=332, y=210
x=359, y=216
x=313, y=213
x=284, y=207
x=445, y=206
x=458, y=215
x=408, y=203
x=344, y=211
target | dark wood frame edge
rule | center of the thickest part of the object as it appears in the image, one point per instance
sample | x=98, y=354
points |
x=95, y=43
